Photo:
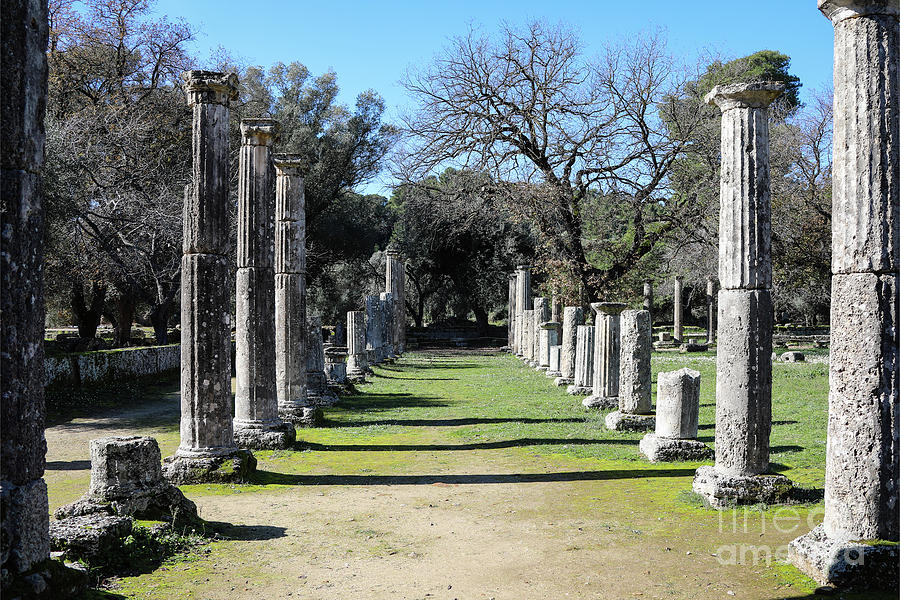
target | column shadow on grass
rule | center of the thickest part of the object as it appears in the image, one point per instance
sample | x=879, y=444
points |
x=245, y=532
x=269, y=477
x=449, y=422
x=374, y=401
x=382, y=376
x=68, y=465
x=449, y=447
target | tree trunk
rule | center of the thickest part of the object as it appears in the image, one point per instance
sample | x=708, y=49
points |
x=87, y=316
x=481, y=320
x=125, y=307
x=159, y=318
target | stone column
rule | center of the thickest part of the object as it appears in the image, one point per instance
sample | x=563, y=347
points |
x=862, y=464
x=648, y=302
x=373, y=331
x=357, y=365
x=677, y=297
x=710, y=310
x=387, y=326
x=635, y=407
x=256, y=422
x=23, y=493
x=527, y=335
x=573, y=316
x=553, y=369
x=584, y=362
x=207, y=451
x=606, y=356
x=395, y=282
x=549, y=338
x=523, y=300
x=336, y=366
x=677, y=409
x=744, y=358
x=290, y=294
x=511, y=315
x=540, y=315
x=317, y=391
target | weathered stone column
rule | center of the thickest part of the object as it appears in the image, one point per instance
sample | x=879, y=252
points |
x=862, y=465
x=395, y=284
x=357, y=365
x=23, y=493
x=648, y=302
x=540, y=315
x=606, y=355
x=511, y=316
x=207, y=451
x=553, y=369
x=387, y=329
x=635, y=407
x=549, y=338
x=256, y=421
x=290, y=294
x=523, y=301
x=527, y=335
x=710, y=310
x=584, y=362
x=336, y=367
x=744, y=357
x=678, y=311
x=573, y=316
x=317, y=391
x=677, y=410
x=373, y=330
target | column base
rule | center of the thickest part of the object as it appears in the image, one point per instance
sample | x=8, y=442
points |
x=26, y=517
x=321, y=397
x=601, y=402
x=561, y=381
x=723, y=490
x=301, y=416
x=662, y=449
x=264, y=435
x=622, y=421
x=846, y=564
x=505, y=349
x=553, y=374
x=542, y=368
x=356, y=376
x=47, y=580
x=227, y=466
x=580, y=390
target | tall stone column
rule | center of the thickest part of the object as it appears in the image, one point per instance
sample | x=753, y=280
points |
x=317, y=391
x=290, y=293
x=23, y=493
x=395, y=284
x=256, y=421
x=357, y=365
x=387, y=328
x=648, y=302
x=540, y=315
x=606, y=355
x=373, y=330
x=710, y=310
x=678, y=314
x=511, y=315
x=862, y=464
x=744, y=357
x=523, y=300
x=573, y=316
x=635, y=407
x=584, y=362
x=527, y=339
x=207, y=451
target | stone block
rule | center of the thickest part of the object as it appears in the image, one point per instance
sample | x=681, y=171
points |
x=677, y=404
x=622, y=421
x=793, y=356
x=849, y=565
x=634, y=365
x=234, y=466
x=723, y=490
x=24, y=525
x=662, y=449
x=90, y=537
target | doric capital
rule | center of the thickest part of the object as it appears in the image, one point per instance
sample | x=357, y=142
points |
x=838, y=10
x=759, y=94
x=608, y=308
x=210, y=87
x=289, y=164
x=392, y=252
x=259, y=132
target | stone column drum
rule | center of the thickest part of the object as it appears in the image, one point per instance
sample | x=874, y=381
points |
x=549, y=338
x=290, y=294
x=317, y=391
x=553, y=369
x=677, y=410
x=710, y=310
x=635, y=407
x=207, y=451
x=584, y=361
x=862, y=464
x=395, y=284
x=23, y=492
x=540, y=315
x=256, y=421
x=336, y=366
x=527, y=341
x=606, y=355
x=744, y=357
x=678, y=311
x=573, y=316
x=387, y=329
x=523, y=302
x=357, y=365
x=373, y=331
x=648, y=302
x=511, y=316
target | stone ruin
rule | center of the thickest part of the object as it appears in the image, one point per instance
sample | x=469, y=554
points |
x=635, y=411
x=605, y=392
x=584, y=362
x=677, y=413
x=573, y=317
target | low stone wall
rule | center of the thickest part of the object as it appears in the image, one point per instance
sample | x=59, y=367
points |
x=87, y=367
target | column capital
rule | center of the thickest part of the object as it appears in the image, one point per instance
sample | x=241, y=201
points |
x=759, y=94
x=259, y=132
x=608, y=308
x=392, y=252
x=289, y=164
x=209, y=87
x=838, y=10
x=523, y=267
x=549, y=325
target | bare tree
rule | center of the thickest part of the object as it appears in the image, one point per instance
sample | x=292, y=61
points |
x=564, y=138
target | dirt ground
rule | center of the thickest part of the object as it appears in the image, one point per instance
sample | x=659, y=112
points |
x=391, y=513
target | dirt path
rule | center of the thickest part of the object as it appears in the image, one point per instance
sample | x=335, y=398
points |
x=440, y=508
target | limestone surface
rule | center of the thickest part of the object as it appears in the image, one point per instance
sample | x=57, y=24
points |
x=677, y=404
x=849, y=565
x=606, y=355
x=662, y=449
x=634, y=366
x=723, y=490
x=622, y=421
x=792, y=356
x=584, y=362
x=573, y=316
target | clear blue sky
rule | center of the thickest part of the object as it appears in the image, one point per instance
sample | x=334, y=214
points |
x=370, y=44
